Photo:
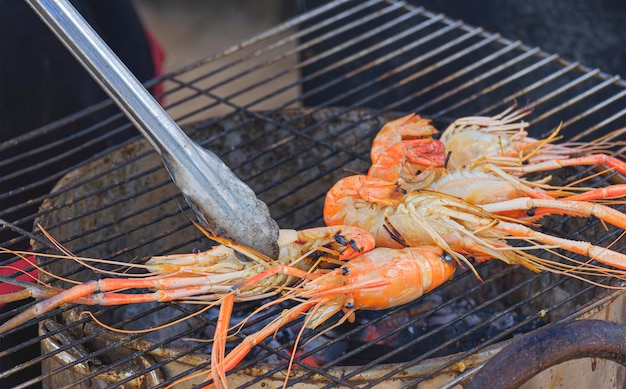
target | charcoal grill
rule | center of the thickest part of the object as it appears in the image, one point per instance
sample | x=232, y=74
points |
x=119, y=204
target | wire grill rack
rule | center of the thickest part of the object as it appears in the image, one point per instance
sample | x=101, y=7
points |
x=292, y=110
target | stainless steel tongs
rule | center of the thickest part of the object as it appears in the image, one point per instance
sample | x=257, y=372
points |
x=219, y=198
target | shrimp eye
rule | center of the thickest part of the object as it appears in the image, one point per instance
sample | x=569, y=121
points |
x=447, y=257
x=417, y=173
x=354, y=245
x=341, y=239
x=531, y=212
x=345, y=271
x=349, y=304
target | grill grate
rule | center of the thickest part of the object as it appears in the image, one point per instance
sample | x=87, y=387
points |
x=290, y=110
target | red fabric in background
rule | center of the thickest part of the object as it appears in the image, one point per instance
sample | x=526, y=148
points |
x=30, y=276
x=158, y=59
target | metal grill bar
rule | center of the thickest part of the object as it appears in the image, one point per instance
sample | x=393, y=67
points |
x=366, y=59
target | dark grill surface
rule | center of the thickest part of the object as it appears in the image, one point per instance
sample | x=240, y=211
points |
x=350, y=67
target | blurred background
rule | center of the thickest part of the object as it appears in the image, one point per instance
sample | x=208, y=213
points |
x=592, y=32
x=35, y=67
x=191, y=29
x=589, y=32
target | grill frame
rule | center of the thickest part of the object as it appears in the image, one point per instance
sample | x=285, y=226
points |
x=190, y=82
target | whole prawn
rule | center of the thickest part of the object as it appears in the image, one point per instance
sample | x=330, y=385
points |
x=485, y=161
x=379, y=279
x=497, y=146
x=502, y=140
x=205, y=276
x=464, y=229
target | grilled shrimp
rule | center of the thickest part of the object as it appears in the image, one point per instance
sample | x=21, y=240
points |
x=502, y=140
x=464, y=229
x=204, y=276
x=380, y=279
x=495, y=145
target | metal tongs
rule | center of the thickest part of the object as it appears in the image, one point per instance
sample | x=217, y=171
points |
x=221, y=201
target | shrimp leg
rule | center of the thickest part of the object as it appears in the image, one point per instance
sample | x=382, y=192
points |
x=595, y=159
x=598, y=253
x=560, y=206
x=380, y=279
x=612, y=191
x=223, y=365
x=94, y=292
x=514, y=230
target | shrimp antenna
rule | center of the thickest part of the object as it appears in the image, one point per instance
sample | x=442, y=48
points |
x=119, y=330
x=67, y=254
